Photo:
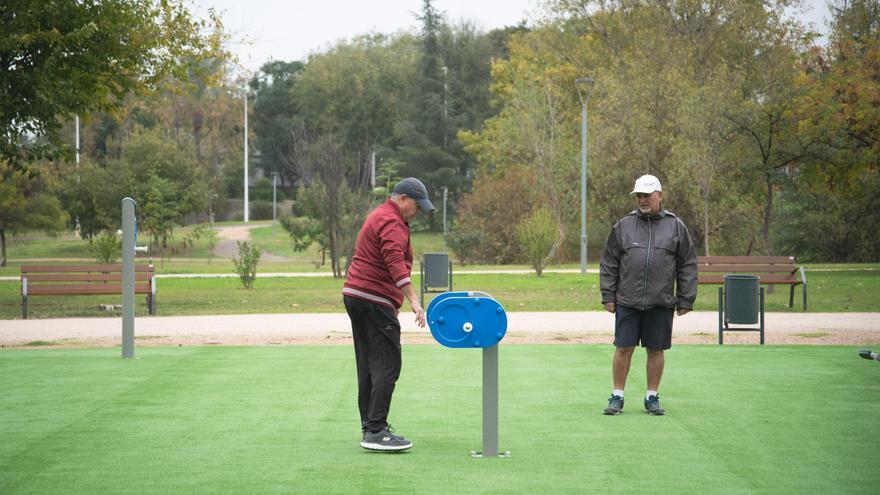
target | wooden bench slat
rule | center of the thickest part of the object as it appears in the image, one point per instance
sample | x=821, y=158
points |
x=764, y=279
x=84, y=280
x=747, y=268
x=751, y=260
x=83, y=268
x=84, y=277
x=84, y=289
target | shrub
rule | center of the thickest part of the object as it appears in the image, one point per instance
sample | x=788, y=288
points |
x=261, y=210
x=105, y=247
x=536, y=234
x=246, y=263
x=465, y=244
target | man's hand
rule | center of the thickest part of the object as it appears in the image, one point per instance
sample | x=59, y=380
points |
x=609, y=306
x=420, y=313
x=683, y=311
x=410, y=294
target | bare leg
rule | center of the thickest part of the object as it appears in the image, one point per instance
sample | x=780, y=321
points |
x=655, y=369
x=620, y=369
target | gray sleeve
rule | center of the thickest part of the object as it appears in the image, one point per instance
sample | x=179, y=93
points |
x=686, y=278
x=609, y=266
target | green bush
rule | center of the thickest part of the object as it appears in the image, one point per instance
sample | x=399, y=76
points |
x=246, y=263
x=465, y=245
x=536, y=234
x=105, y=247
x=261, y=210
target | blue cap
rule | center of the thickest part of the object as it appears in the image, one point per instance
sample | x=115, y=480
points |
x=413, y=188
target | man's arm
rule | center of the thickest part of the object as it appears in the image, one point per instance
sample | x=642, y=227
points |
x=609, y=269
x=392, y=237
x=686, y=278
x=410, y=294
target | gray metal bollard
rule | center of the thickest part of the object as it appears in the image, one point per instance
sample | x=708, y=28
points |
x=129, y=238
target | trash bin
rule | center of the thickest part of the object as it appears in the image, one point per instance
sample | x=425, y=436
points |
x=436, y=269
x=741, y=299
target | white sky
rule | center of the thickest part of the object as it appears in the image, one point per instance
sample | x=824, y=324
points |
x=289, y=30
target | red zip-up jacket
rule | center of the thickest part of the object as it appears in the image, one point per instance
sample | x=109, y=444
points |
x=383, y=258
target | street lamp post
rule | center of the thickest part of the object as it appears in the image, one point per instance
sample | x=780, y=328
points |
x=587, y=83
x=445, y=105
x=445, y=191
x=246, y=209
x=274, y=187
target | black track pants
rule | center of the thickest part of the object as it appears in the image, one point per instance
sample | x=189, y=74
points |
x=376, y=334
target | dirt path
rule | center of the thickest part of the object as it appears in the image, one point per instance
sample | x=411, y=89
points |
x=227, y=246
x=589, y=327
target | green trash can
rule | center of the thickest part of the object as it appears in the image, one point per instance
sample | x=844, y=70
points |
x=741, y=299
x=436, y=269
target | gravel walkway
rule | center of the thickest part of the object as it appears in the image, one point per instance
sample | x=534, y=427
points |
x=333, y=328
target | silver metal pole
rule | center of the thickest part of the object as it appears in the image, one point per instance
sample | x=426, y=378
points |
x=490, y=401
x=128, y=244
x=583, y=187
x=373, y=169
x=588, y=83
x=77, y=141
x=274, y=180
x=246, y=208
x=445, y=191
x=445, y=106
x=78, y=226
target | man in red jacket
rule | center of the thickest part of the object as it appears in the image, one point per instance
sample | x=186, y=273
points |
x=376, y=283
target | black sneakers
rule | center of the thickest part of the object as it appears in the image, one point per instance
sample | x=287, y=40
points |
x=615, y=405
x=652, y=406
x=385, y=441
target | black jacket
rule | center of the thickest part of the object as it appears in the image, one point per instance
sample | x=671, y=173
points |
x=644, y=257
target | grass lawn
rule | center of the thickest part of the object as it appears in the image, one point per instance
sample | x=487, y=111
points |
x=742, y=419
x=854, y=291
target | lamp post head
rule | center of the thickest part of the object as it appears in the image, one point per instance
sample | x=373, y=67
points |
x=589, y=82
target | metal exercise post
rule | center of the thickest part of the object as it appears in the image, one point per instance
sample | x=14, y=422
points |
x=490, y=401
x=129, y=238
x=474, y=320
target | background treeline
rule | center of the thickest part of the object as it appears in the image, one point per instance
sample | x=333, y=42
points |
x=766, y=142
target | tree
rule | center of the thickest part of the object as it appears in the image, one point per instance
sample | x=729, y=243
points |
x=838, y=110
x=348, y=103
x=490, y=213
x=64, y=58
x=165, y=181
x=537, y=234
x=333, y=199
x=91, y=194
x=275, y=116
x=24, y=204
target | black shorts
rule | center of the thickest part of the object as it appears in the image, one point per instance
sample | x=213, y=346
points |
x=652, y=327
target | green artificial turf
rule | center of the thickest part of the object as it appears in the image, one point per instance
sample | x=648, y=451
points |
x=741, y=419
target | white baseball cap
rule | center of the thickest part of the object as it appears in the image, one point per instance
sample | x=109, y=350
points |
x=646, y=184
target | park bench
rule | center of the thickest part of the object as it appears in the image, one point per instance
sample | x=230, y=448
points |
x=84, y=280
x=772, y=270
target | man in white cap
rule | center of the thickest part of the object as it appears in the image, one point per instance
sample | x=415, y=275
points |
x=375, y=285
x=648, y=271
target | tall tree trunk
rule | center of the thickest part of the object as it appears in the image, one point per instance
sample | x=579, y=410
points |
x=3, y=247
x=706, y=226
x=768, y=211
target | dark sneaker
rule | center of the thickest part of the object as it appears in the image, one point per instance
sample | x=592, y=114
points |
x=615, y=405
x=384, y=441
x=652, y=406
x=866, y=354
